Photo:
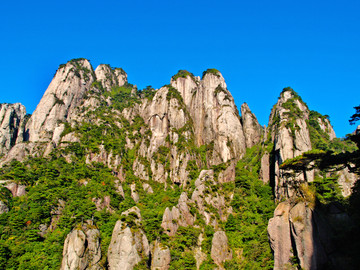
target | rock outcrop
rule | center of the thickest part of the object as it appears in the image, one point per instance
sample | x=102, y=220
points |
x=294, y=231
x=60, y=101
x=160, y=256
x=110, y=77
x=252, y=128
x=127, y=247
x=82, y=249
x=220, y=251
x=291, y=137
x=214, y=114
x=12, y=125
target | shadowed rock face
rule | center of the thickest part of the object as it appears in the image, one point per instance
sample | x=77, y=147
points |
x=12, y=121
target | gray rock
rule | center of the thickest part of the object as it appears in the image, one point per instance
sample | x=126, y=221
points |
x=82, y=249
x=289, y=142
x=3, y=208
x=60, y=101
x=214, y=114
x=279, y=236
x=12, y=124
x=265, y=168
x=220, y=251
x=127, y=245
x=252, y=128
x=160, y=256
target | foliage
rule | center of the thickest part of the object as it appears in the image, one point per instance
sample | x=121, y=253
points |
x=252, y=206
x=183, y=74
x=212, y=71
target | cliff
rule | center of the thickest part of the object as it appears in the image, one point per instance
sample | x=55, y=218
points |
x=169, y=178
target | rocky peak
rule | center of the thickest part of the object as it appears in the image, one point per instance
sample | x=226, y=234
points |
x=214, y=114
x=12, y=121
x=62, y=98
x=252, y=128
x=110, y=77
x=291, y=137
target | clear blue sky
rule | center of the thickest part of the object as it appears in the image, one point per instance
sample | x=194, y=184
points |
x=260, y=47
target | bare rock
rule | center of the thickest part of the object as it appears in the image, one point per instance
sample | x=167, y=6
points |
x=325, y=126
x=82, y=249
x=252, y=128
x=147, y=188
x=304, y=232
x=291, y=138
x=214, y=114
x=126, y=246
x=110, y=77
x=346, y=181
x=220, y=251
x=60, y=101
x=160, y=256
x=134, y=194
x=12, y=124
x=179, y=216
x=3, y=208
x=265, y=168
x=279, y=236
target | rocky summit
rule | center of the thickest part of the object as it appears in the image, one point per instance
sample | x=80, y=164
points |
x=103, y=175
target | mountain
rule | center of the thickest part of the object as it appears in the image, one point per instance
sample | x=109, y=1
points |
x=105, y=176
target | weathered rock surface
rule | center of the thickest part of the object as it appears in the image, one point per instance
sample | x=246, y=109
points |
x=346, y=181
x=297, y=230
x=307, y=243
x=16, y=190
x=252, y=128
x=60, y=101
x=178, y=216
x=3, y=208
x=110, y=77
x=214, y=114
x=12, y=124
x=264, y=174
x=279, y=235
x=160, y=256
x=291, y=138
x=220, y=251
x=127, y=247
x=82, y=249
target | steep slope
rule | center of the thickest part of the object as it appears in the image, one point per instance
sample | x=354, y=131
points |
x=172, y=178
x=300, y=231
x=214, y=114
x=12, y=124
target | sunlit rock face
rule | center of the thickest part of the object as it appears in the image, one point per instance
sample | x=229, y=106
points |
x=60, y=101
x=82, y=248
x=252, y=128
x=214, y=114
x=12, y=122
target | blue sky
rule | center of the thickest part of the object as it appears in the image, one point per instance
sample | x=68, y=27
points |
x=260, y=47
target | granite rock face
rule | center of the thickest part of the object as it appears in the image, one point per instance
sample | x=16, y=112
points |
x=291, y=137
x=214, y=114
x=160, y=256
x=60, y=101
x=12, y=124
x=220, y=251
x=82, y=249
x=252, y=128
x=127, y=246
